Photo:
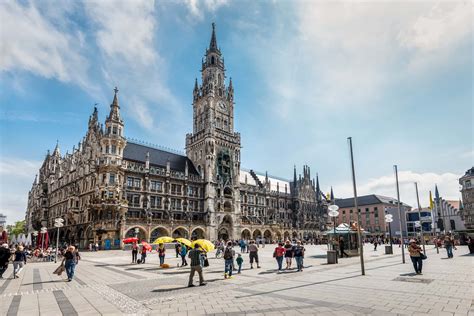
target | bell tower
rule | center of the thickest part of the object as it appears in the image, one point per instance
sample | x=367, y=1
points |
x=214, y=147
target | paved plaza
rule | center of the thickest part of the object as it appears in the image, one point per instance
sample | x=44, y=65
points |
x=106, y=283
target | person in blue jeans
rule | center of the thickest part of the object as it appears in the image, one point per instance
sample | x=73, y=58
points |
x=449, y=244
x=69, y=261
x=299, y=255
x=229, y=254
x=279, y=254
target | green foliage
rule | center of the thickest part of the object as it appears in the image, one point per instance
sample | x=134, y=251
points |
x=16, y=229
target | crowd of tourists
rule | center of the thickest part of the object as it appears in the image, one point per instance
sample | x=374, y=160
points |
x=19, y=255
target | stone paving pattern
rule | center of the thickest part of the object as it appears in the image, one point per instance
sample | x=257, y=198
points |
x=107, y=284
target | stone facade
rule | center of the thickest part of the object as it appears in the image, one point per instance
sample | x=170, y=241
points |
x=110, y=187
x=467, y=191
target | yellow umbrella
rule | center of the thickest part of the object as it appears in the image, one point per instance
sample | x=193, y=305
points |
x=204, y=244
x=184, y=241
x=163, y=240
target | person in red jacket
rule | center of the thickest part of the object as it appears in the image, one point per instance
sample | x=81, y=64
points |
x=278, y=254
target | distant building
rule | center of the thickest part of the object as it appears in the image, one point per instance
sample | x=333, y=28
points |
x=426, y=222
x=467, y=191
x=3, y=220
x=373, y=209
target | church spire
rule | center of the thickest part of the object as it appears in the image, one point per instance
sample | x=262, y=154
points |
x=332, y=195
x=213, y=44
x=318, y=191
x=56, y=149
x=115, y=108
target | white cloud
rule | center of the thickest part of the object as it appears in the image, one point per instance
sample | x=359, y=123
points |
x=448, y=187
x=32, y=43
x=124, y=29
x=197, y=8
x=124, y=33
x=344, y=55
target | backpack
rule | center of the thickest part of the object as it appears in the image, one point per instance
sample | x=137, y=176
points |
x=228, y=253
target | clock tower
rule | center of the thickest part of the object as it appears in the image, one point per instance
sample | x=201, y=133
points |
x=214, y=147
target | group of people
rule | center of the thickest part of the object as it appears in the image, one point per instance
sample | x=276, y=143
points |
x=288, y=251
x=17, y=255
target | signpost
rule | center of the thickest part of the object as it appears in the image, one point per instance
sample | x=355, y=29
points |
x=388, y=220
x=58, y=222
x=44, y=230
x=333, y=212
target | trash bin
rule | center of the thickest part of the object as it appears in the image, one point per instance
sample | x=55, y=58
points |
x=388, y=250
x=332, y=256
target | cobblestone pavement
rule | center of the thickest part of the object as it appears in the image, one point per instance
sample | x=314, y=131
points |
x=107, y=284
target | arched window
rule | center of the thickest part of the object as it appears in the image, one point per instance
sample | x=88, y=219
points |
x=212, y=60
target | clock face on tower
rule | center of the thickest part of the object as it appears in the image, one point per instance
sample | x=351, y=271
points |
x=222, y=105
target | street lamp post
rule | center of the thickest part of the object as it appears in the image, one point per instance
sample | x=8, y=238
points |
x=58, y=223
x=402, y=241
x=359, y=233
x=419, y=217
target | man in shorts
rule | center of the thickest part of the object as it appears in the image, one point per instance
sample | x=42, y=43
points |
x=253, y=254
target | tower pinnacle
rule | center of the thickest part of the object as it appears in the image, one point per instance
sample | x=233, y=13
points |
x=213, y=44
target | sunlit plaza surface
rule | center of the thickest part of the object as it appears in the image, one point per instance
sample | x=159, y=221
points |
x=106, y=283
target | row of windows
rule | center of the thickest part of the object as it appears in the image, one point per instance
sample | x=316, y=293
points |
x=114, y=130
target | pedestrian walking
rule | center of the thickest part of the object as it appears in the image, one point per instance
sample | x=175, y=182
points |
x=195, y=255
x=288, y=254
x=342, y=247
x=253, y=254
x=177, y=247
x=5, y=255
x=161, y=253
x=239, y=261
x=416, y=256
x=69, y=262
x=278, y=254
x=134, y=252
x=229, y=254
x=242, y=245
x=375, y=244
x=19, y=260
x=183, y=251
x=449, y=244
x=143, y=255
x=299, y=255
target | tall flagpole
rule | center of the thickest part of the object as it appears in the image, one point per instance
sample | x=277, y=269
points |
x=402, y=239
x=359, y=234
x=419, y=217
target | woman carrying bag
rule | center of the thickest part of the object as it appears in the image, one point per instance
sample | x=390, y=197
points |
x=69, y=262
x=416, y=256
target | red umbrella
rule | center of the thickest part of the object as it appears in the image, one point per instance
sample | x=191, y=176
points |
x=146, y=245
x=130, y=240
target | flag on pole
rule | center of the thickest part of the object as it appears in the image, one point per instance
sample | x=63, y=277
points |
x=431, y=201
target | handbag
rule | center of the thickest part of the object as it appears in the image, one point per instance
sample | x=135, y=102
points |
x=423, y=256
x=206, y=262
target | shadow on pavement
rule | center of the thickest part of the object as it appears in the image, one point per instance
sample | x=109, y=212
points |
x=52, y=281
x=408, y=274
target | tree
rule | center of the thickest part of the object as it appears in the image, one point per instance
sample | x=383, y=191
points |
x=16, y=229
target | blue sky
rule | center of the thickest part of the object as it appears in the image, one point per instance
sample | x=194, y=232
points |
x=397, y=77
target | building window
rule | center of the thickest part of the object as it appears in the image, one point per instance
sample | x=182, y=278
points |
x=155, y=201
x=175, y=204
x=112, y=178
x=114, y=130
x=108, y=130
x=114, y=149
x=133, y=200
x=176, y=189
x=155, y=185
x=107, y=149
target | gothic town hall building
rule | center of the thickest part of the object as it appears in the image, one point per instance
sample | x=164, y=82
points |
x=110, y=187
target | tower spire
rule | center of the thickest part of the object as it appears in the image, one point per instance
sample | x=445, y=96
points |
x=115, y=108
x=332, y=195
x=318, y=192
x=213, y=44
